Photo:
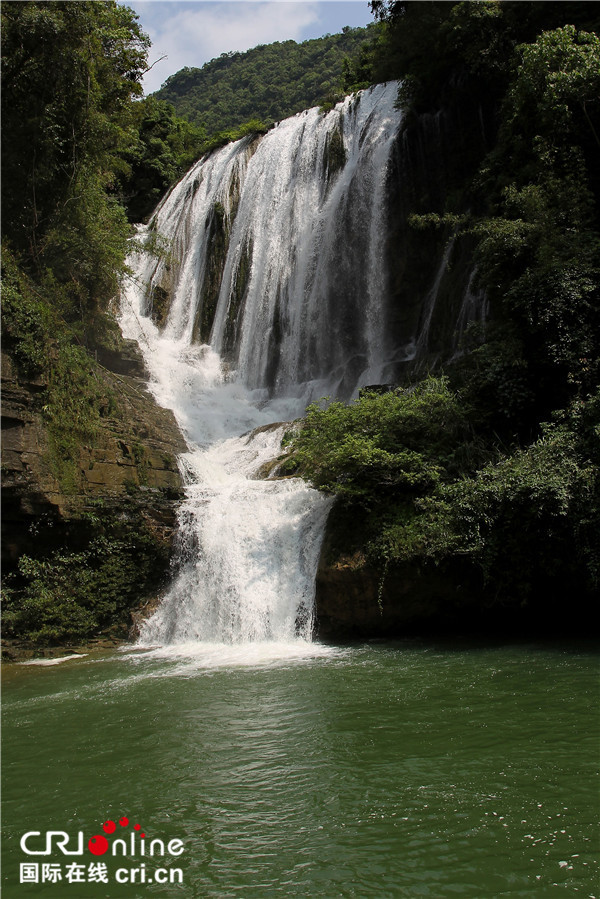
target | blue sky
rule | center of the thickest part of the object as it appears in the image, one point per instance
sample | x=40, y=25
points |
x=190, y=32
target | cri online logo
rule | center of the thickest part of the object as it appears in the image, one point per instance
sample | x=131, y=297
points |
x=99, y=845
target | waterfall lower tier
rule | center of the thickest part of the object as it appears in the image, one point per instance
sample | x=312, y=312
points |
x=266, y=292
x=250, y=551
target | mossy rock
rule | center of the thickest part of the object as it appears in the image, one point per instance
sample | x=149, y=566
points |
x=334, y=154
x=160, y=303
x=218, y=225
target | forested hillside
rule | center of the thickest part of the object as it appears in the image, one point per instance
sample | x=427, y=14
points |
x=269, y=82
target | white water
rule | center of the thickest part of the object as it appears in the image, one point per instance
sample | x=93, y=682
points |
x=311, y=323
x=431, y=302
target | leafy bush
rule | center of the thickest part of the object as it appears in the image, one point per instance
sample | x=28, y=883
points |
x=400, y=442
x=27, y=318
x=529, y=521
x=429, y=492
x=70, y=596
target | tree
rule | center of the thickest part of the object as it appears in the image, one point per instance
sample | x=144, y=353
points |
x=436, y=47
x=538, y=255
x=165, y=146
x=70, y=72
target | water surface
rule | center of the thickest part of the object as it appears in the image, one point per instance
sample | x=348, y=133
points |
x=405, y=769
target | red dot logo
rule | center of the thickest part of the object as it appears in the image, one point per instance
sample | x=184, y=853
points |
x=109, y=827
x=98, y=844
x=123, y=821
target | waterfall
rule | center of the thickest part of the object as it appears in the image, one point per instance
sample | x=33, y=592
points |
x=432, y=297
x=265, y=290
x=473, y=309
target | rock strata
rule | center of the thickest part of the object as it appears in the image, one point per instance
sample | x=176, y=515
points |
x=134, y=455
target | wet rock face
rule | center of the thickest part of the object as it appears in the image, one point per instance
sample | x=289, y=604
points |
x=356, y=601
x=127, y=360
x=349, y=604
x=133, y=459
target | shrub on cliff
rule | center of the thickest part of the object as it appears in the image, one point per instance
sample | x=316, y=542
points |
x=69, y=596
x=528, y=522
x=399, y=443
x=420, y=488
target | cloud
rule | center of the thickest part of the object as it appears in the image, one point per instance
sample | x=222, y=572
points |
x=190, y=34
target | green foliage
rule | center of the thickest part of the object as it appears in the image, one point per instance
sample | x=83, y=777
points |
x=527, y=521
x=268, y=83
x=533, y=205
x=358, y=68
x=70, y=71
x=538, y=257
x=383, y=445
x=71, y=596
x=88, y=245
x=76, y=400
x=72, y=398
x=164, y=147
x=226, y=136
x=438, y=48
x=557, y=83
x=497, y=382
x=410, y=47
x=27, y=319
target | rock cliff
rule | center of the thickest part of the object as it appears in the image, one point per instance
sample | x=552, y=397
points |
x=125, y=481
x=355, y=600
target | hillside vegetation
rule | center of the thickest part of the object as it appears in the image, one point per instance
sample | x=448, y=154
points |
x=269, y=82
x=77, y=557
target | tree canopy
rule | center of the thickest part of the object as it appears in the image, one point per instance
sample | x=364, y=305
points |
x=69, y=74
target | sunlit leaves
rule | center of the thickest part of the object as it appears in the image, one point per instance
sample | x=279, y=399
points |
x=558, y=74
x=397, y=442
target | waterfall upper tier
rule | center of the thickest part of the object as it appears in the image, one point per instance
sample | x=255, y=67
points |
x=274, y=249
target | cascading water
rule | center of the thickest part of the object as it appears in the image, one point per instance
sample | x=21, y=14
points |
x=272, y=269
